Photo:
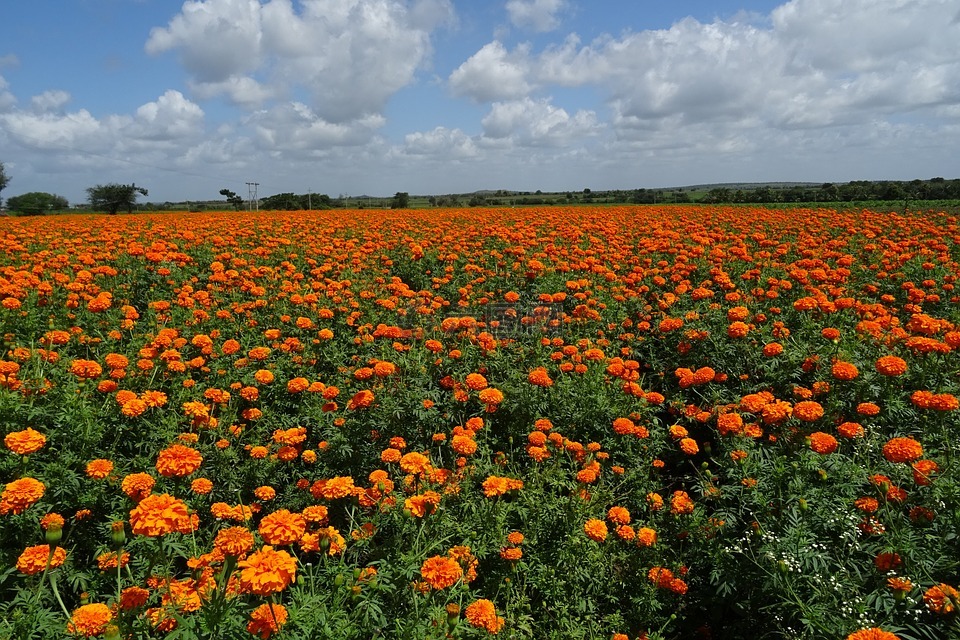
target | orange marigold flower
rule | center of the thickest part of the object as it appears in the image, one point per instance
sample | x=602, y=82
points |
x=922, y=470
x=90, y=620
x=234, y=541
x=595, y=529
x=660, y=576
x=482, y=614
x=137, y=485
x=891, y=366
x=178, y=460
x=497, y=486
x=646, y=537
x=267, y=571
x=491, y=396
x=902, y=450
x=282, y=527
x=133, y=598
x=844, y=371
x=159, y=515
x=618, y=515
x=441, y=572
x=942, y=599
x=689, y=446
x=415, y=463
x=34, y=559
x=85, y=369
x=823, y=443
x=201, y=486
x=99, y=469
x=808, y=411
x=263, y=376
x=267, y=619
x=680, y=503
x=729, y=423
x=20, y=494
x=25, y=442
x=339, y=487
x=873, y=633
x=850, y=430
x=361, y=400
x=540, y=378
x=868, y=409
x=476, y=382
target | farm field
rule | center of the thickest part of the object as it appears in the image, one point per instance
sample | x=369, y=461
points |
x=610, y=423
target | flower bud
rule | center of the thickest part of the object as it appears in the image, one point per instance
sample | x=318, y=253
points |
x=117, y=534
x=53, y=534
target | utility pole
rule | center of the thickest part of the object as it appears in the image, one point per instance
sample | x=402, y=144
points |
x=253, y=204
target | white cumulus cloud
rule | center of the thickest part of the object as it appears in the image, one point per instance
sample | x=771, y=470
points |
x=539, y=15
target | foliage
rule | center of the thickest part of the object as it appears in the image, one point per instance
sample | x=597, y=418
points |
x=111, y=198
x=663, y=422
x=37, y=203
x=233, y=199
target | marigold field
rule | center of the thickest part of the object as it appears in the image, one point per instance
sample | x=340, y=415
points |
x=611, y=423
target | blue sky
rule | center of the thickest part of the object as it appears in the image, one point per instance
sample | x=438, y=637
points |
x=451, y=96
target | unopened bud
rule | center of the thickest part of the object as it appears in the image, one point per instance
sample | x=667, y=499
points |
x=53, y=534
x=117, y=534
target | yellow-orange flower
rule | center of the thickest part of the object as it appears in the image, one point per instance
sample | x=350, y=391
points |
x=595, y=529
x=441, y=572
x=823, y=443
x=159, y=515
x=267, y=571
x=34, y=559
x=178, y=460
x=25, y=442
x=891, y=366
x=267, y=619
x=234, y=541
x=282, y=527
x=482, y=614
x=137, y=486
x=99, y=468
x=90, y=620
x=20, y=494
x=942, y=599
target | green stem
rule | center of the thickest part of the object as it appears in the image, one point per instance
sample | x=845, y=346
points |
x=56, y=593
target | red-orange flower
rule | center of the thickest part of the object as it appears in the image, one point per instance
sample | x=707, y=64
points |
x=595, y=529
x=234, y=541
x=891, y=366
x=823, y=443
x=902, y=450
x=942, y=599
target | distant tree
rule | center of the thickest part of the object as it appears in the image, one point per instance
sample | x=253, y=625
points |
x=282, y=202
x=401, y=200
x=113, y=197
x=4, y=180
x=37, y=203
x=232, y=199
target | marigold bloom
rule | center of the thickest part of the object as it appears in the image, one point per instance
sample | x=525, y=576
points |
x=339, y=487
x=823, y=443
x=680, y=503
x=441, y=572
x=178, y=460
x=618, y=515
x=808, y=411
x=923, y=470
x=34, y=559
x=482, y=614
x=201, y=486
x=20, y=494
x=137, y=485
x=646, y=537
x=595, y=529
x=159, y=515
x=133, y=598
x=902, y=450
x=497, y=486
x=25, y=442
x=99, y=469
x=90, y=620
x=267, y=571
x=234, y=541
x=850, y=430
x=267, y=619
x=891, y=366
x=942, y=599
x=844, y=371
x=689, y=446
x=415, y=463
x=282, y=527
x=540, y=378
